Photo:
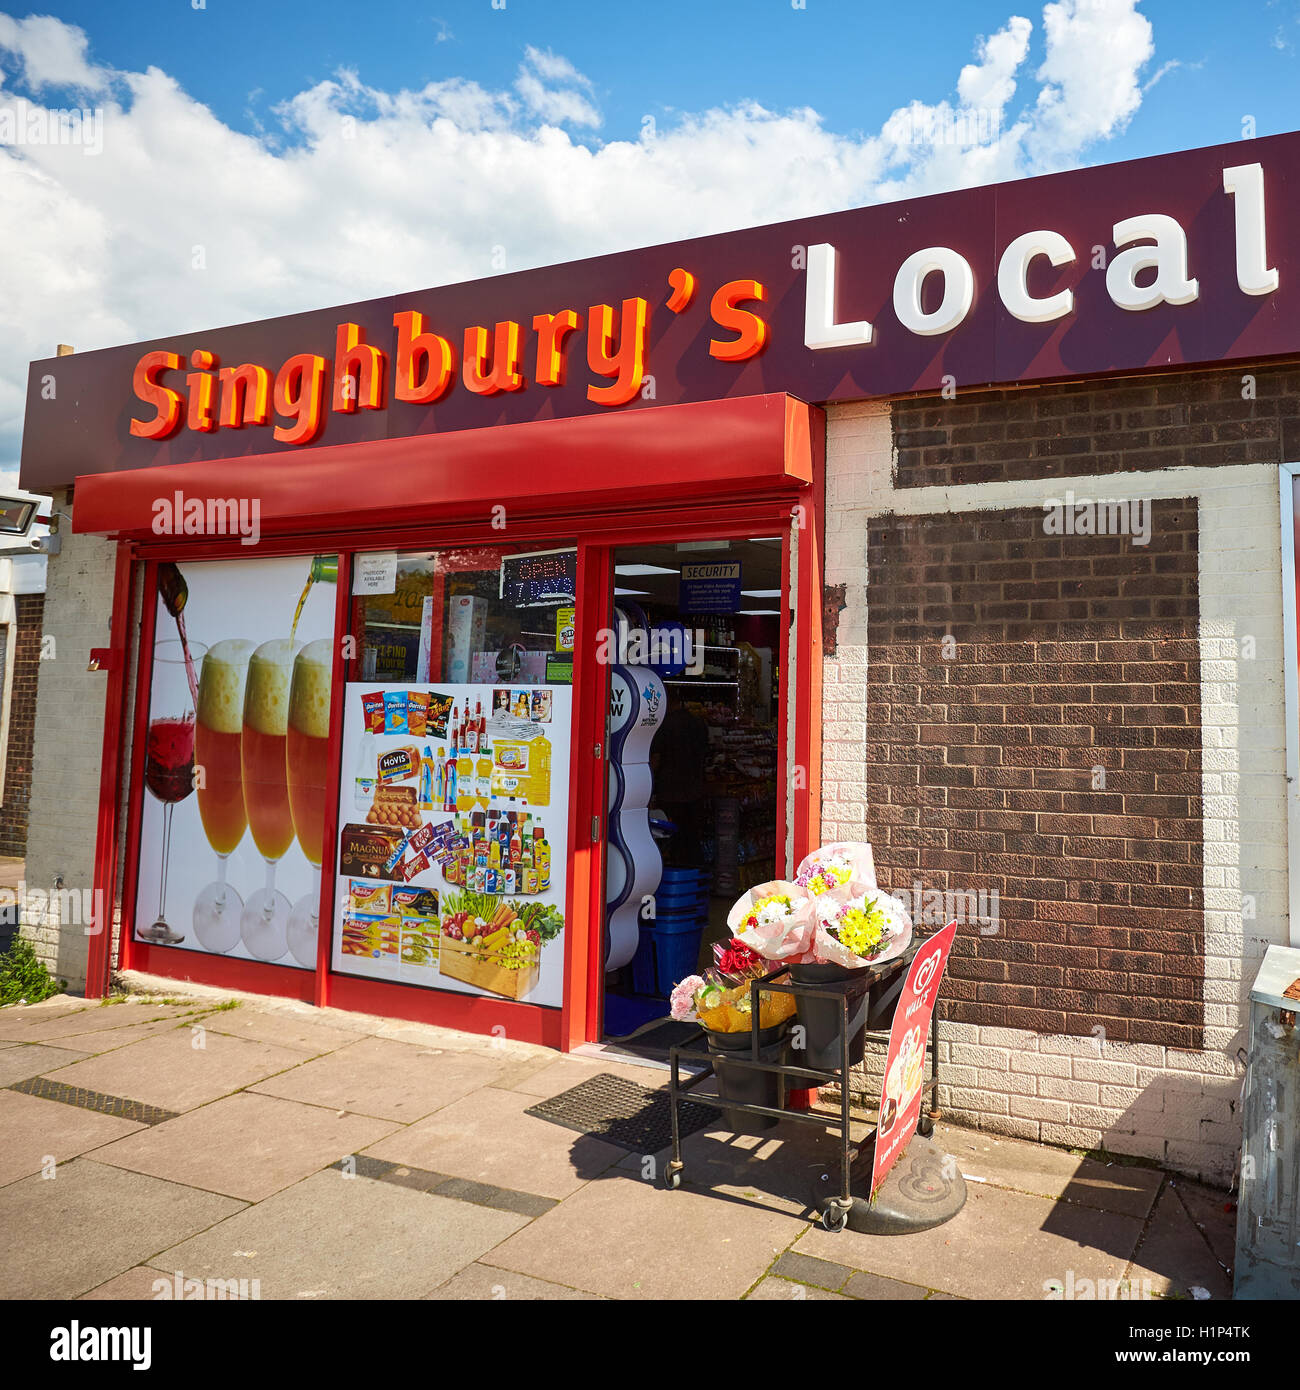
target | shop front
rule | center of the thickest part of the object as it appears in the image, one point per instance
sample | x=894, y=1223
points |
x=471, y=650
x=373, y=777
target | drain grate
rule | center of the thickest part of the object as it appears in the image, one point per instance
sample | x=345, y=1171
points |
x=44, y=1089
x=622, y=1112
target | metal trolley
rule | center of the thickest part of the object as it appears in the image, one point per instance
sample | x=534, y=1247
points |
x=884, y=984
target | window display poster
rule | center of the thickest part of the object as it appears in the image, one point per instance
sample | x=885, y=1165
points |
x=232, y=827
x=453, y=830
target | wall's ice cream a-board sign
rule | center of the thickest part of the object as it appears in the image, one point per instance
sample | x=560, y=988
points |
x=236, y=758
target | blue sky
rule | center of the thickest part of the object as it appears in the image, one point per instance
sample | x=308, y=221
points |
x=251, y=159
x=853, y=60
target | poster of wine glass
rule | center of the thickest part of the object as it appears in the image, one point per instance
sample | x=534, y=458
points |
x=236, y=757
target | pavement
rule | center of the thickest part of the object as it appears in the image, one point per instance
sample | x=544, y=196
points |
x=232, y=1145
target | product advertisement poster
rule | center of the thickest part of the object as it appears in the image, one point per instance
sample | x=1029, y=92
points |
x=236, y=758
x=900, y=1099
x=453, y=827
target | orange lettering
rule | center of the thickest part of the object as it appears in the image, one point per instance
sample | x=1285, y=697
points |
x=245, y=396
x=414, y=346
x=299, y=393
x=750, y=330
x=627, y=364
x=358, y=371
x=203, y=392
x=683, y=289
x=504, y=374
x=551, y=330
x=165, y=401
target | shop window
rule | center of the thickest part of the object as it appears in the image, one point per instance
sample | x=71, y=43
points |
x=237, y=758
x=454, y=796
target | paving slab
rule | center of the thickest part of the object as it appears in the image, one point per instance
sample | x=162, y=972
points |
x=1214, y=1212
x=1000, y=1245
x=48, y=1253
x=387, y=1079
x=132, y=1285
x=625, y=1238
x=335, y=1237
x=22, y=1060
x=488, y=1137
x=478, y=1283
x=1174, y=1256
x=803, y=1269
x=172, y=1072
x=35, y=1024
x=37, y=1130
x=102, y=1040
x=876, y=1288
x=789, y=1168
x=245, y=1146
x=567, y=1072
x=302, y=1033
x=774, y=1289
x=1127, y=1189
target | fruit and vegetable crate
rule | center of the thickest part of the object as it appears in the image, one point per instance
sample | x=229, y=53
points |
x=484, y=968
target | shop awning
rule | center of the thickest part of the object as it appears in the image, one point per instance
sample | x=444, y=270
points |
x=748, y=446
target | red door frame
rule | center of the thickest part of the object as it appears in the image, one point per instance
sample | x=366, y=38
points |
x=596, y=536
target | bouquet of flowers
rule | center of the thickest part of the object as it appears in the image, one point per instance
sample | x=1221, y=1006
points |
x=869, y=928
x=832, y=913
x=844, y=869
x=720, y=999
x=776, y=920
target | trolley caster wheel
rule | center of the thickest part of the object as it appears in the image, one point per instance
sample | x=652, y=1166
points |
x=672, y=1180
x=925, y=1126
x=835, y=1218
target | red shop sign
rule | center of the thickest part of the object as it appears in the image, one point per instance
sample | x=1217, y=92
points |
x=900, y=1095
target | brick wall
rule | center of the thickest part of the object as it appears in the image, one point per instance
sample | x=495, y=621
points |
x=1173, y=1104
x=1050, y=751
x=1082, y=429
x=26, y=658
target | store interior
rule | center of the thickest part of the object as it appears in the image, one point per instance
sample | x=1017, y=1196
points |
x=713, y=764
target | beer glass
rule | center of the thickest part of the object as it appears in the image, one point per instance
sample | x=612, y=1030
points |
x=217, y=742
x=308, y=760
x=264, y=922
x=169, y=762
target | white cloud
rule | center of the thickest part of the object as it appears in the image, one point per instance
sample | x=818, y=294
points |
x=50, y=53
x=183, y=222
x=556, y=105
x=1095, y=50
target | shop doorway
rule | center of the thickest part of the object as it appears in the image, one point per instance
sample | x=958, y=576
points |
x=693, y=737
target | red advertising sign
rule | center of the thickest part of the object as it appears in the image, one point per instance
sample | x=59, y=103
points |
x=900, y=1096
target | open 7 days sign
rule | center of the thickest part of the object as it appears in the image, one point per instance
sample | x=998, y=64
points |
x=901, y=1093
x=1185, y=259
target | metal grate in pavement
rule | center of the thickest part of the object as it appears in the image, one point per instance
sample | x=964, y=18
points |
x=622, y=1112
x=44, y=1089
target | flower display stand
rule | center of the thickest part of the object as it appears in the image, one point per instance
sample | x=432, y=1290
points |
x=921, y=1190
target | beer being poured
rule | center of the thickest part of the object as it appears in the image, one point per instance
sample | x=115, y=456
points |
x=324, y=568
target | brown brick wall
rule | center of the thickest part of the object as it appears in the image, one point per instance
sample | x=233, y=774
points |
x=1097, y=427
x=26, y=656
x=1070, y=653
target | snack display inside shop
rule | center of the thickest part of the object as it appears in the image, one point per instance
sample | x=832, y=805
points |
x=453, y=816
